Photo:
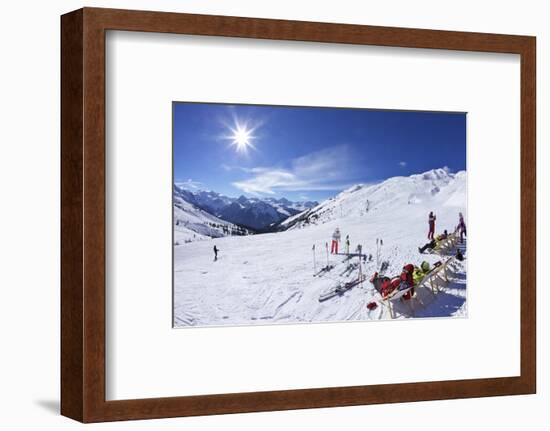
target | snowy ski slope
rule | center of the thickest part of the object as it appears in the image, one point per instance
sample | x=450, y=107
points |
x=268, y=278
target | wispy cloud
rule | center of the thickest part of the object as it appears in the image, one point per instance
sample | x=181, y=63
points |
x=324, y=170
x=189, y=184
x=402, y=164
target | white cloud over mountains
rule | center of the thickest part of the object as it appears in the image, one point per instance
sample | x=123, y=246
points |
x=327, y=169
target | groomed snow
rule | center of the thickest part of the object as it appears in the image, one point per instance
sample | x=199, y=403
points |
x=268, y=278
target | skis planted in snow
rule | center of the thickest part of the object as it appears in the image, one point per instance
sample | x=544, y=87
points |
x=349, y=269
x=351, y=255
x=341, y=289
x=323, y=270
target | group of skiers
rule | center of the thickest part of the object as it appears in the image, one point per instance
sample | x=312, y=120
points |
x=407, y=275
x=460, y=228
x=434, y=241
x=409, y=278
x=411, y=275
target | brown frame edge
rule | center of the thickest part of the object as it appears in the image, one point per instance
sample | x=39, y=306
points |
x=83, y=214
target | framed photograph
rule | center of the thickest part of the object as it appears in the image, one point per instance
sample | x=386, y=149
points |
x=267, y=215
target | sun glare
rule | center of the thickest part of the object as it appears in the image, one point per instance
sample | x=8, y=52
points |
x=241, y=138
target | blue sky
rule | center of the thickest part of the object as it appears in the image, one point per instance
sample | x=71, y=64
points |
x=308, y=153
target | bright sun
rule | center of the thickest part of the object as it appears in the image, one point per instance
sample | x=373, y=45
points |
x=241, y=138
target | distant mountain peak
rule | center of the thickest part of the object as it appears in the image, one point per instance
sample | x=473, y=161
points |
x=437, y=174
x=434, y=188
x=254, y=212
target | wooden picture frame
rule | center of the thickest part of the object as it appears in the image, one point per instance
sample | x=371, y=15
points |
x=83, y=336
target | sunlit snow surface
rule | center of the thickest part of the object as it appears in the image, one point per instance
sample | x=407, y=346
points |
x=268, y=278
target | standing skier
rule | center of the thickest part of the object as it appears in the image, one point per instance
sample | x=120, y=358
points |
x=215, y=253
x=335, y=241
x=461, y=227
x=347, y=244
x=431, y=224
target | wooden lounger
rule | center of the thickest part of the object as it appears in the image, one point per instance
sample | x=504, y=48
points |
x=437, y=275
x=447, y=244
x=395, y=296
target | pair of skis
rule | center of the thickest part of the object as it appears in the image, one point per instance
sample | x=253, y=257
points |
x=323, y=270
x=349, y=269
x=326, y=268
x=341, y=289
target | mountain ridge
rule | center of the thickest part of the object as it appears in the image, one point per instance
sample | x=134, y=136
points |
x=245, y=216
x=257, y=214
x=416, y=188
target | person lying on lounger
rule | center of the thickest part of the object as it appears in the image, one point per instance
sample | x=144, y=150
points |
x=434, y=242
x=385, y=285
x=442, y=236
x=420, y=272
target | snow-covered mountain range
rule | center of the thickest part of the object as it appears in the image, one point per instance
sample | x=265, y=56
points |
x=254, y=213
x=438, y=186
x=192, y=223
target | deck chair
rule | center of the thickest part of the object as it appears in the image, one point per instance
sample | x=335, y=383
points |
x=453, y=239
x=425, y=281
x=396, y=295
x=446, y=245
x=436, y=276
x=439, y=248
x=435, y=280
x=440, y=278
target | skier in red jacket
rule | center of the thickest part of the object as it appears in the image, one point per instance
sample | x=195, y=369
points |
x=407, y=280
x=385, y=285
x=431, y=224
x=335, y=240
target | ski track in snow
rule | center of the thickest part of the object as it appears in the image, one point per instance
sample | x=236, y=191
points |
x=268, y=278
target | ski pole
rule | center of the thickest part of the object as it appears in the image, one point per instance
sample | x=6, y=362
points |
x=380, y=249
x=314, y=268
x=360, y=248
x=377, y=253
x=326, y=246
